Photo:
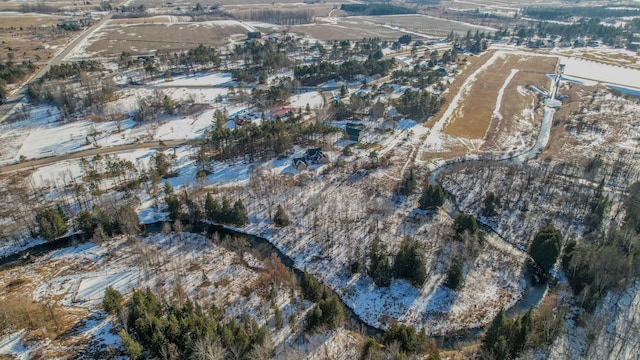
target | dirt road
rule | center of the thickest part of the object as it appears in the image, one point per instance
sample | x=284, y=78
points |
x=16, y=97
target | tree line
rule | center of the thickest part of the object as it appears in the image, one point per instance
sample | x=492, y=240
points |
x=315, y=74
x=269, y=139
x=376, y=9
x=279, y=17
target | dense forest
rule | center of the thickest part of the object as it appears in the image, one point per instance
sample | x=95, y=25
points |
x=312, y=75
x=267, y=140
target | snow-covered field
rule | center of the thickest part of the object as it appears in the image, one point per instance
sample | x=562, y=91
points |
x=600, y=72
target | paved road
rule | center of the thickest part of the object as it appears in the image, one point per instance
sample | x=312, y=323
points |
x=17, y=96
x=88, y=153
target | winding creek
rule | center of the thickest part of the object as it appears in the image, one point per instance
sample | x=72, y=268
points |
x=261, y=248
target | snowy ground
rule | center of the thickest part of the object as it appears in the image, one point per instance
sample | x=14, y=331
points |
x=43, y=134
x=611, y=333
x=76, y=278
x=336, y=211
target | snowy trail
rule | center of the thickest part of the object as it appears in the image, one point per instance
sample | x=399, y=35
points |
x=434, y=135
x=496, y=112
x=543, y=137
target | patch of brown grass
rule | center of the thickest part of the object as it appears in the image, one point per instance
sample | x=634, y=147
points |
x=472, y=64
x=478, y=107
x=21, y=312
x=533, y=71
x=16, y=283
x=453, y=152
x=145, y=38
x=146, y=20
x=27, y=21
x=222, y=282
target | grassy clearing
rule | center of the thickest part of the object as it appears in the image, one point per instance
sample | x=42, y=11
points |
x=474, y=118
x=140, y=21
x=533, y=71
x=145, y=38
x=420, y=24
x=347, y=30
x=27, y=20
x=18, y=311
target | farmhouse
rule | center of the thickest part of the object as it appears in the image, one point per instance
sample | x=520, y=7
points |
x=282, y=111
x=311, y=156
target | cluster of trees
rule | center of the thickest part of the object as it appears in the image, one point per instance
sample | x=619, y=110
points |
x=432, y=197
x=100, y=167
x=274, y=95
x=224, y=212
x=261, y=59
x=128, y=176
x=419, y=105
x=474, y=44
x=51, y=223
x=465, y=223
x=11, y=72
x=90, y=94
x=269, y=139
x=592, y=28
x=409, y=263
x=280, y=218
x=159, y=328
x=202, y=55
x=151, y=107
x=400, y=341
x=594, y=267
x=376, y=9
x=455, y=277
x=490, y=204
x=38, y=7
x=102, y=223
x=598, y=206
x=420, y=76
x=546, y=246
x=328, y=312
x=279, y=17
x=408, y=184
x=506, y=339
x=315, y=74
x=357, y=107
x=73, y=69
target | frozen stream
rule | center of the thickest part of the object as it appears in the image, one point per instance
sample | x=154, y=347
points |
x=543, y=136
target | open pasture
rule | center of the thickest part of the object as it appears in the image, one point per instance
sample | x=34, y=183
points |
x=426, y=26
x=188, y=4
x=47, y=6
x=145, y=38
x=491, y=101
x=319, y=10
x=12, y=19
x=347, y=29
